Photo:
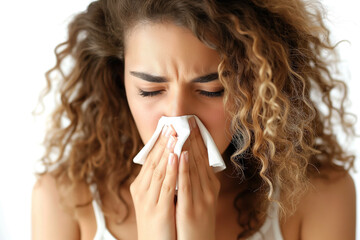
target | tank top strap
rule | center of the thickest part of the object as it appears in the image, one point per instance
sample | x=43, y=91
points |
x=276, y=225
x=270, y=230
x=276, y=216
x=99, y=216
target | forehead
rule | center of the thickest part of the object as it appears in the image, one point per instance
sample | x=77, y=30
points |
x=167, y=43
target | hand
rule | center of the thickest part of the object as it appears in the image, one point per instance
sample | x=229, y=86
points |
x=198, y=191
x=153, y=191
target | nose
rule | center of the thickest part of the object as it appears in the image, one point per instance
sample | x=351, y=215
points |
x=179, y=103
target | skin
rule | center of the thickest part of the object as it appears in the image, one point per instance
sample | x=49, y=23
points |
x=327, y=211
x=158, y=50
x=177, y=55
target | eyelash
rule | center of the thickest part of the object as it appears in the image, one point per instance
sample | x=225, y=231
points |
x=205, y=93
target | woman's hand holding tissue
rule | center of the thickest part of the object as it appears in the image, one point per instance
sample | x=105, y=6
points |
x=198, y=191
x=153, y=191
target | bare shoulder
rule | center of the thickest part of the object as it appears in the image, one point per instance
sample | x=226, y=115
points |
x=50, y=220
x=328, y=210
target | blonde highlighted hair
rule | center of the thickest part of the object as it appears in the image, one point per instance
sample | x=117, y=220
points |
x=272, y=64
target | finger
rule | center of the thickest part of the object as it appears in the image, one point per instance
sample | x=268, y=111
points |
x=199, y=140
x=196, y=190
x=160, y=171
x=196, y=187
x=154, y=157
x=206, y=172
x=167, y=192
x=199, y=153
x=146, y=162
x=184, y=192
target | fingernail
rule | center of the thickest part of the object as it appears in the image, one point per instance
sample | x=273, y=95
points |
x=171, y=142
x=164, y=130
x=171, y=159
x=173, y=130
x=168, y=131
x=186, y=156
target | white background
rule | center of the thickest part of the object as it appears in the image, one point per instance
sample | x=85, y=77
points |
x=29, y=31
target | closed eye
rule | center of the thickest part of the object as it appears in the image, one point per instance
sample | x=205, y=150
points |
x=205, y=93
x=212, y=94
x=148, y=94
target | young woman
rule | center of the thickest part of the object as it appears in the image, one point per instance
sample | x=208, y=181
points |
x=252, y=71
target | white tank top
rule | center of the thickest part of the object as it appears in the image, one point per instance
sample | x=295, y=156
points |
x=270, y=230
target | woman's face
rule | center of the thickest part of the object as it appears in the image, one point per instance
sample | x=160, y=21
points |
x=169, y=72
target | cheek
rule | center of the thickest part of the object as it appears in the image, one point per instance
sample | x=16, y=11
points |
x=146, y=119
x=218, y=125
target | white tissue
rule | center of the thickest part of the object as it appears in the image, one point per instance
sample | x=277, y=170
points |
x=182, y=129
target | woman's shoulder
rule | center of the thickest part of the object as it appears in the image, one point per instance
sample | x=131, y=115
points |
x=51, y=219
x=336, y=188
x=49, y=188
x=328, y=209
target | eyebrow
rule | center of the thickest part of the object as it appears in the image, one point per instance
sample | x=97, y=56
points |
x=158, y=79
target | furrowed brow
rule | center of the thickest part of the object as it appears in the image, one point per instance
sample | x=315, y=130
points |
x=207, y=78
x=148, y=77
x=158, y=79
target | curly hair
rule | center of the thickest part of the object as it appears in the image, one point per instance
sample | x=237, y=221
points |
x=278, y=92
